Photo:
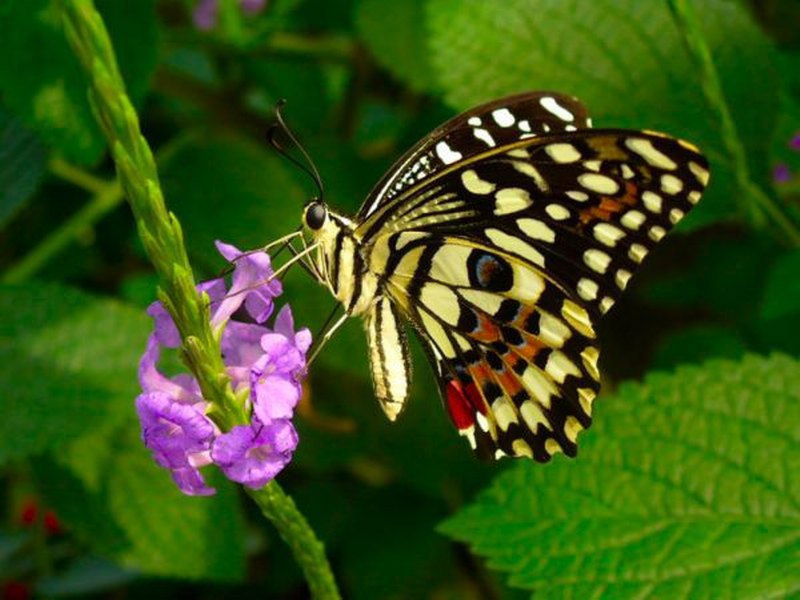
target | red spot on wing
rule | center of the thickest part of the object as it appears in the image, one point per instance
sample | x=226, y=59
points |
x=459, y=405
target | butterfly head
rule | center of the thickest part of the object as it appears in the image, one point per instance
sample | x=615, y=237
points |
x=315, y=215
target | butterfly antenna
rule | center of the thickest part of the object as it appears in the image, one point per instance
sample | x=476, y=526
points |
x=309, y=167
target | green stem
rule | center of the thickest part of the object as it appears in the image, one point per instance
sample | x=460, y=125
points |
x=107, y=196
x=753, y=199
x=308, y=551
x=162, y=239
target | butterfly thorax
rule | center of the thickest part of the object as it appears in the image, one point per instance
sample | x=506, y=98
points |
x=340, y=260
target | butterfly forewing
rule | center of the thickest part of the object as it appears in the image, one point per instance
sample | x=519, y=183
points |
x=492, y=125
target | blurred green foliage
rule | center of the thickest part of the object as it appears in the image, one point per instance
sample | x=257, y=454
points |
x=687, y=484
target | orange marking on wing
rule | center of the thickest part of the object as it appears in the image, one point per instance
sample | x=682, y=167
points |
x=530, y=348
x=486, y=331
x=509, y=381
x=609, y=206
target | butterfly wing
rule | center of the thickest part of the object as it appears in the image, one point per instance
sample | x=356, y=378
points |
x=515, y=354
x=495, y=124
x=504, y=260
x=585, y=206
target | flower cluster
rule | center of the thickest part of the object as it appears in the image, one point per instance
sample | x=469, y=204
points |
x=265, y=366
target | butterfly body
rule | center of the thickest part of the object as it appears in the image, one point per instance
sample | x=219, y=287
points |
x=501, y=238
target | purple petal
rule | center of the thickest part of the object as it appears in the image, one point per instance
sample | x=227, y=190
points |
x=252, y=7
x=794, y=143
x=274, y=397
x=250, y=276
x=191, y=482
x=171, y=430
x=182, y=388
x=165, y=330
x=254, y=454
x=205, y=14
x=781, y=173
x=284, y=322
x=241, y=343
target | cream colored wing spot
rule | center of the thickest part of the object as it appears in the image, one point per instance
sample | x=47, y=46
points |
x=563, y=153
x=600, y=184
x=515, y=245
x=578, y=318
x=637, y=252
x=557, y=212
x=671, y=184
x=652, y=201
x=700, y=172
x=608, y=234
x=633, y=219
x=473, y=183
x=537, y=230
x=644, y=148
x=596, y=260
x=511, y=200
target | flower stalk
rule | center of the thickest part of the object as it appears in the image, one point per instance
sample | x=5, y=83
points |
x=162, y=238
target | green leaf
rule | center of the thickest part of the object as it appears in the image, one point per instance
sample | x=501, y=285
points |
x=395, y=33
x=40, y=78
x=228, y=188
x=172, y=534
x=22, y=164
x=688, y=486
x=626, y=60
x=782, y=290
x=67, y=365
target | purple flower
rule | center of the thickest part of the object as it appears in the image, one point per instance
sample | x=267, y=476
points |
x=180, y=437
x=781, y=173
x=254, y=454
x=206, y=12
x=275, y=377
x=265, y=365
x=794, y=143
x=250, y=285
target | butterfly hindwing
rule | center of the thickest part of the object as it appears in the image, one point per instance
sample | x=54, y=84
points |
x=516, y=357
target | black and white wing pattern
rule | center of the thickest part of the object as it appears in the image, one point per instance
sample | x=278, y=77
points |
x=488, y=126
x=504, y=255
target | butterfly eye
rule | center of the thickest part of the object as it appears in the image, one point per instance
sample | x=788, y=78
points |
x=315, y=215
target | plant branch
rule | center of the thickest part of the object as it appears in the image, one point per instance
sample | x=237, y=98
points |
x=107, y=196
x=162, y=239
x=753, y=199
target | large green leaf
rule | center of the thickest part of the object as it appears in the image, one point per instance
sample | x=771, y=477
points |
x=626, y=60
x=687, y=486
x=67, y=365
x=395, y=33
x=40, y=77
x=171, y=534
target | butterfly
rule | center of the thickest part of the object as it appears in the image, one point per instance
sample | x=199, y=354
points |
x=501, y=238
